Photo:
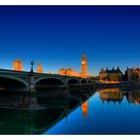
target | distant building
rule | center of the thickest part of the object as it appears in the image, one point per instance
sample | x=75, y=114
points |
x=68, y=72
x=84, y=67
x=71, y=72
x=110, y=76
x=39, y=68
x=49, y=72
x=133, y=74
x=17, y=65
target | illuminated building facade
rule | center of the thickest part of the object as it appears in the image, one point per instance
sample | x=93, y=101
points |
x=68, y=72
x=133, y=74
x=17, y=65
x=71, y=72
x=110, y=76
x=83, y=66
x=39, y=68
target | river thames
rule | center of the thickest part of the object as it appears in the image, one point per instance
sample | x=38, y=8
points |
x=108, y=112
x=104, y=111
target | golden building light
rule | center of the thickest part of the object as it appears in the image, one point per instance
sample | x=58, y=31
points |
x=83, y=66
x=39, y=68
x=71, y=72
x=68, y=72
x=17, y=65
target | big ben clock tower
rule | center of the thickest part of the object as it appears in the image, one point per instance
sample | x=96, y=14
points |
x=84, y=67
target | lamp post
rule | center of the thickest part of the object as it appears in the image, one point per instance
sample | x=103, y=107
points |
x=32, y=64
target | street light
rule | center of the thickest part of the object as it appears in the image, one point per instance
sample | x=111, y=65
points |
x=32, y=64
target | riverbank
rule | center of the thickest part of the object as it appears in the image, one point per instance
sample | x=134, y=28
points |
x=122, y=84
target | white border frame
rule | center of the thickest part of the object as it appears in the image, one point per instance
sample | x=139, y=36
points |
x=69, y=2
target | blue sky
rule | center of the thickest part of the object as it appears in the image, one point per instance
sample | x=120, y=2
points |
x=58, y=35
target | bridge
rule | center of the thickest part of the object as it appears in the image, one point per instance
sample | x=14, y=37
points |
x=29, y=81
x=26, y=85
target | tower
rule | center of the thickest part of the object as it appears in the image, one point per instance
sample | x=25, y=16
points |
x=83, y=66
x=17, y=65
x=39, y=68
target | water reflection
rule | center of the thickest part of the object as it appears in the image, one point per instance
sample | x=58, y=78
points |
x=27, y=122
x=107, y=111
x=58, y=103
x=133, y=97
x=111, y=95
x=84, y=108
x=117, y=95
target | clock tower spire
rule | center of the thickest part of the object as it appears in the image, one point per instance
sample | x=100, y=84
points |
x=83, y=66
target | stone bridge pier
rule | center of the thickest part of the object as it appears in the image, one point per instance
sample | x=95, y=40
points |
x=30, y=96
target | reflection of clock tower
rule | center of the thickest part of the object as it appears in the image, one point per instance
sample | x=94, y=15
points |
x=84, y=67
x=84, y=108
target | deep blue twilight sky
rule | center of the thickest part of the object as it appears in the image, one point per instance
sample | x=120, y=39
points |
x=57, y=36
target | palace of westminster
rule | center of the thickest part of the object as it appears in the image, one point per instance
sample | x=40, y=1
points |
x=17, y=66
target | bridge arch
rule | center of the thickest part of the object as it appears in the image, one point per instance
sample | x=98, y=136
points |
x=11, y=81
x=73, y=81
x=83, y=81
x=89, y=81
x=49, y=82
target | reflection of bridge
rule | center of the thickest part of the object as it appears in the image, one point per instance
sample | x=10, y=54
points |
x=26, y=81
x=37, y=121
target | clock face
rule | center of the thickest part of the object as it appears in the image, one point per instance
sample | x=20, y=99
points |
x=83, y=62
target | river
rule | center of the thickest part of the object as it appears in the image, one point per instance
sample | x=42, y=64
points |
x=104, y=111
